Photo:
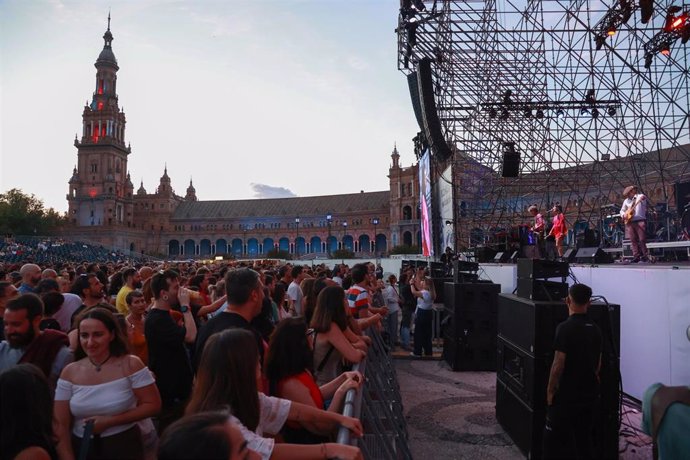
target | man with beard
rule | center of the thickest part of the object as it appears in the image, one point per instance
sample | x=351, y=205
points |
x=90, y=289
x=7, y=293
x=26, y=343
x=31, y=275
x=132, y=281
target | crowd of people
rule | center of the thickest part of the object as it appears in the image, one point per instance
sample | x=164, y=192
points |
x=187, y=360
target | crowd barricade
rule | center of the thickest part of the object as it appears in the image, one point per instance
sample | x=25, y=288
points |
x=379, y=406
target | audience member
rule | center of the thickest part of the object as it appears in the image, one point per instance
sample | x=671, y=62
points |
x=109, y=388
x=31, y=275
x=70, y=303
x=423, y=317
x=136, y=304
x=294, y=292
x=393, y=301
x=131, y=281
x=7, y=292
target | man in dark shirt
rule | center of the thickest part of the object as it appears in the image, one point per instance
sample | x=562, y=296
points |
x=573, y=388
x=166, y=338
x=245, y=294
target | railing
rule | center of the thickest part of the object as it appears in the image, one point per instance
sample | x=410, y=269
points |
x=379, y=406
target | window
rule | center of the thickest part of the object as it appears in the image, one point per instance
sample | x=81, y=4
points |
x=94, y=167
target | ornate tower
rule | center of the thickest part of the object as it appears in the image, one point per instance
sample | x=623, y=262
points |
x=191, y=192
x=100, y=190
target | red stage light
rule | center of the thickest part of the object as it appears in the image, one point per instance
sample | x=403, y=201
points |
x=92, y=193
x=665, y=50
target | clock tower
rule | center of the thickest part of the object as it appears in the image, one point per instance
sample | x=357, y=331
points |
x=100, y=190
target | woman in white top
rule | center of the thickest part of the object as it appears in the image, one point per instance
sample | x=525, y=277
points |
x=423, y=317
x=229, y=375
x=393, y=302
x=105, y=387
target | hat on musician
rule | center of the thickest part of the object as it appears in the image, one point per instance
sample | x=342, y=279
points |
x=532, y=208
x=629, y=189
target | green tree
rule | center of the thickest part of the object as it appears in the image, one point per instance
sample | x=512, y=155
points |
x=404, y=249
x=344, y=253
x=22, y=214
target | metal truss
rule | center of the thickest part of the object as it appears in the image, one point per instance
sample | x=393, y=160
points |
x=579, y=86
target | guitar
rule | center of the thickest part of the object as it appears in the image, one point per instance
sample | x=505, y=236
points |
x=630, y=213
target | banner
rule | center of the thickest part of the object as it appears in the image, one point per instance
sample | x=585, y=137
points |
x=425, y=204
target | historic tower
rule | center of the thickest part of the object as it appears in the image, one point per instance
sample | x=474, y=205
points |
x=100, y=190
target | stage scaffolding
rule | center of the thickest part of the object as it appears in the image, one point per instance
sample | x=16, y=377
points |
x=528, y=76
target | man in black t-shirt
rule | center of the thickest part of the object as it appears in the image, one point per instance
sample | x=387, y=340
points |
x=573, y=388
x=245, y=294
x=166, y=339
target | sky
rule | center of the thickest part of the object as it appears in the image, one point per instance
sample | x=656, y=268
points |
x=250, y=98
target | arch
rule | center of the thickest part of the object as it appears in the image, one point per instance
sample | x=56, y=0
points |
x=284, y=244
x=237, y=248
x=315, y=244
x=407, y=213
x=300, y=245
x=189, y=248
x=332, y=243
x=381, y=244
x=268, y=244
x=252, y=247
x=348, y=242
x=173, y=248
x=205, y=247
x=221, y=246
x=419, y=239
x=364, y=245
x=407, y=238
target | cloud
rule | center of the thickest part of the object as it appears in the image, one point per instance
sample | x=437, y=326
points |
x=269, y=191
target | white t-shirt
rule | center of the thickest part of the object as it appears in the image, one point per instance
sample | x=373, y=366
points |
x=274, y=413
x=294, y=292
x=64, y=314
x=426, y=301
x=110, y=398
x=338, y=280
x=391, y=297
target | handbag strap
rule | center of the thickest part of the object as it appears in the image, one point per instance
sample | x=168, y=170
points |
x=323, y=362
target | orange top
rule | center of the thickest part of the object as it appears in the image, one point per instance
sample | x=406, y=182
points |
x=306, y=379
x=137, y=342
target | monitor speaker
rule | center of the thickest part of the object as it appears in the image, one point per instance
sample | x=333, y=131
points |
x=502, y=257
x=432, y=124
x=570, y=254
x=593, y=256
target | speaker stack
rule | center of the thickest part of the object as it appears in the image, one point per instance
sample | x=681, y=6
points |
x=526, y=330
x=469, y=326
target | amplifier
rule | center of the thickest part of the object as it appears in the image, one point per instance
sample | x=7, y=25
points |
x=531, y=325
x=537, y=289
x=542, y=269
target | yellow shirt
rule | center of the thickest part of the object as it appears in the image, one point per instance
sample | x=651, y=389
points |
x=121, y=302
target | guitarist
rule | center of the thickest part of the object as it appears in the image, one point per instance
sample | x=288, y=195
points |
x=634, y=214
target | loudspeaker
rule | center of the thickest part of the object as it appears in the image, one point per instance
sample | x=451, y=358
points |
x=682, y=192
x=413, y=85
x=542, y=269
x=531, y=325
x=542, y=290
x=469, y=330
x=432, y=124
x=484, y=254
x=501, y=257
x=570, y=254
x=465, y=272
x=524, y=374
x=523, y=425
x=593, y=256
x=511, y=164
x=439, y=286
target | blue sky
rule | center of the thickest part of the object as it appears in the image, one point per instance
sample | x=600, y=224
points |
x=243, y=96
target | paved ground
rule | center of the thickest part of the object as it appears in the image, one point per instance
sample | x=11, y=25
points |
x=451, y=415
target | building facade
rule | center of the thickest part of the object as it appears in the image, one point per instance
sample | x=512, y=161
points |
x=104, y=209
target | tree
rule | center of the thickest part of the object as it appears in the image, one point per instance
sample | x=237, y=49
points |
x=344, y=253
x=22, y=214
x=404, y=249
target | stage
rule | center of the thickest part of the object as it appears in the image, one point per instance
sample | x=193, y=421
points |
x=655, y=316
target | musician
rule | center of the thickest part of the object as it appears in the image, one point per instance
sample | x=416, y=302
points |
x=634, y=214
x=559, y=229
x=537, y=229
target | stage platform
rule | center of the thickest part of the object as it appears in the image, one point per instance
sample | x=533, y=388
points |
x=655, y=316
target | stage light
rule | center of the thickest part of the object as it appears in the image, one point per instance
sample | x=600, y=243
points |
x=419, y=5
x=611, y=31
x=685, y=33
x=506, y=97
x=560, y=113
x=599, y=42
x=672, y=21
x=595, y=113
x=492, y=113
x=648, y=60
x=584, y=111
x=539, y=114
x=528, y=113
x=665, y=49
x=646, y=10
x=589, y=98
x=504, y=114
x=611, y=111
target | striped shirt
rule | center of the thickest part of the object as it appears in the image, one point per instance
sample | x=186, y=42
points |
x=357, y=300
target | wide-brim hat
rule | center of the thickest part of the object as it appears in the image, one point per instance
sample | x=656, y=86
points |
x=532, y=208
x=628, y=189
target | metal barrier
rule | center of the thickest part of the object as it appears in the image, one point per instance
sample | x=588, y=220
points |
x=379, y=406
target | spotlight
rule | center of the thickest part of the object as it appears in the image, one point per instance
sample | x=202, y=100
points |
x=419, y=5
x=595, y=113
x=611, y=111
x=611, y=31
x=539, y=114
x=504, y=114
x=665, y=49
x=492, y=113
x=584, y=111
x=528, y=113
x=646, y=10
x=560, y=113
x=589, y=98
x=685, y=34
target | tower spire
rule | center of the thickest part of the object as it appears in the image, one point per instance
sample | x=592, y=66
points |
x=108, y=20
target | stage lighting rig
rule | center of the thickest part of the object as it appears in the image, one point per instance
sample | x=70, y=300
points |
x=674, y=28
x=609, y=24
